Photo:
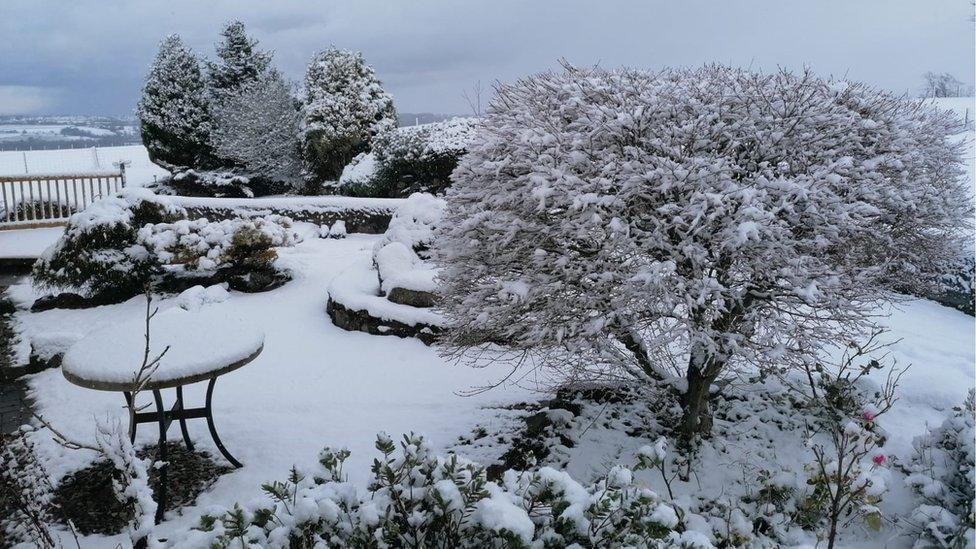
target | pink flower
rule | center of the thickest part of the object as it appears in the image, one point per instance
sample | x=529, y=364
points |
x=867, y=416
x=879, y=459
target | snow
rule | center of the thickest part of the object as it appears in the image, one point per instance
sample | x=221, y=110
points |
x=194, y=343
x=313, y=385
x=47, y=345
x=358, y=289
x=399, y=267
x=139, y=172
x=285, y=203
x=415, y=219
x=359, y=171
x=28, y=242
x=193, y=298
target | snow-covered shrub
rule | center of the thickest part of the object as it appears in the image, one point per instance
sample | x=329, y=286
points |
x=359, y=177
x=174, y=111
x=243, y=244
x=414, y=222
x=692, y=221
x=257, y=129
x=419, y=499
x=344, y=107
x=420, y=158
x=99, y=253
x=942, y=474
x=26, y=493
x=117, y=245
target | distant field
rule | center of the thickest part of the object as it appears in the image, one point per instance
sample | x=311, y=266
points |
x=89, y=160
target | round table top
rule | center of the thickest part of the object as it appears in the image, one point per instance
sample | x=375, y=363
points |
x=202, y=344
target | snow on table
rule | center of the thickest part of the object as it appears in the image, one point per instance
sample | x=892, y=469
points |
x=198, y=345
x=27, y=243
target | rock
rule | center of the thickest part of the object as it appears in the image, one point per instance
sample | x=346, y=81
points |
x=361, y=321
x=413, y=298
x=68, y=300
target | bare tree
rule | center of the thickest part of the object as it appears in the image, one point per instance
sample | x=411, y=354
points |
x=474, y=98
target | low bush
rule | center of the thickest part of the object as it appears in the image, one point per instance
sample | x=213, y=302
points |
x=943, y=474
x=99, y=253
x=419, y=499
x=112, y=249
x=409, y=159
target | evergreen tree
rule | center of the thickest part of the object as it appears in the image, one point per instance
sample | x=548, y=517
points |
x=257, y=128
x=345, y=106
x=174, y=112
x=239, y=62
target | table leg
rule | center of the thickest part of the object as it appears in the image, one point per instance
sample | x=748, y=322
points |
x=213, y=429
x=132, y=416
x=180, y=406
x=161, y=456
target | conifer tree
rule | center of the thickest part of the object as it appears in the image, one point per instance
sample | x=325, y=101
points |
x=174, y=111
x=345, y=106
x=240, y=62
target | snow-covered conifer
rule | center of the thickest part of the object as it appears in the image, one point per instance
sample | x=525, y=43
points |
x=240, y=62
x=692, y=221
x=344, y=107
x=174, y=111
x=257, y=128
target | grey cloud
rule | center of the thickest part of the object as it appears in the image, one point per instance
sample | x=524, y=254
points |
x=91, y=55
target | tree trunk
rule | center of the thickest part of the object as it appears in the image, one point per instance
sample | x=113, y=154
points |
x=695, y=403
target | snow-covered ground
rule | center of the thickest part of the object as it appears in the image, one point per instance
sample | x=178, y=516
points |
x=96, y=159
x=317, y=385
x=314, y=384
x=28, y=242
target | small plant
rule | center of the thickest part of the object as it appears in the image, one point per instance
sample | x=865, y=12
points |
x=943, y=473
x=419, y=499
x=849, y=471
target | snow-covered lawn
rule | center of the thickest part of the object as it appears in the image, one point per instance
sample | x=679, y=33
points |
x=314, y=384
x=317, y=385
x=28, y=242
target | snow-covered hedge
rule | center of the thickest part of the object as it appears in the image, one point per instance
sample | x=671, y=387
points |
x=114, y=247
x=410, y=159
x=942, y=474
x=99, y=253
x=419, y=499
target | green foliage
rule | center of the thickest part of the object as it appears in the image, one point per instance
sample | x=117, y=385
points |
x=99, y=253
x=419, y=499
x=174, y=111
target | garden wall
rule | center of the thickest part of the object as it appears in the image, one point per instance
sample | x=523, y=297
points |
x=361, y=215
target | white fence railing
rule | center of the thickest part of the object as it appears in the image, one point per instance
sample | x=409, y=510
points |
x=28, y=200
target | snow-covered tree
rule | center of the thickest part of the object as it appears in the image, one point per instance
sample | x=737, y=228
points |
x=240, y=62
x=691, y=222
x=344, y=107
x=174, y=111
x=257, y=128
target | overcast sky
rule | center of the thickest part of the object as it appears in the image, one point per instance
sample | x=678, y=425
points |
x=90, y=56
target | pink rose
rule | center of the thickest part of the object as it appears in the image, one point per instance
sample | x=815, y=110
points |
x=879, y=459
x=867, y=416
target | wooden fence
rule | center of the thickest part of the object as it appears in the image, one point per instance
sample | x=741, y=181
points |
x=41, y=200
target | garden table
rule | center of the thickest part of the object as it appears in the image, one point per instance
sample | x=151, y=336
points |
x=200, y=346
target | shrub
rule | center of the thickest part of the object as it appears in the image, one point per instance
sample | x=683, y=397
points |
x=344, y=107
x=99, y=253
x=710, y=218
x=414, y=222
x=117, y=245
x=943, y=475
x=359, y=178
x=420, y=158
x=419, y=499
